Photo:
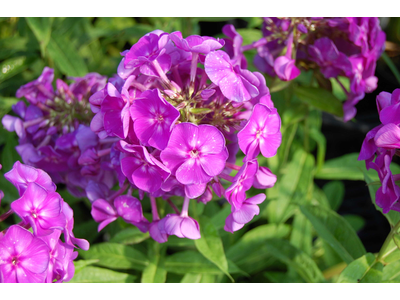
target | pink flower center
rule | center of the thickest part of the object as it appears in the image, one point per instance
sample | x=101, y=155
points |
x=14, y=261
x=194, y=153
x=159, y=118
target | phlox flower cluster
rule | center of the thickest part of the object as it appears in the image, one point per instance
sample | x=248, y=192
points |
x=38, y=255
x=181, y=109
x=54, y=133
x=380, y=146
x=333, y=47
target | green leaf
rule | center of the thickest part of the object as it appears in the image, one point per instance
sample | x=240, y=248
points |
x=391, y=272
x=334, y=191
x=66, y=57
x=295, y=258
x=210, y=245
x=100, y=275
x=13, y=66
x=319, y=138
x=81, y=264
x=129, y=236
x=252, y=240
x=364, y=269
x=198, y=278
x=286, y=187
x=337, y=90
x=335, y=230
x=356, y=222
x=320, y=98
x=155, y=271
x=116, y=256
x=392, y=216
x=348, y=167
x=41, y=28
x=193, y=262
x=9, y=155
x=5, y=105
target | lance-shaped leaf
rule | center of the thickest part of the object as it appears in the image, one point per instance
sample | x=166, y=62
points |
x=364, y=269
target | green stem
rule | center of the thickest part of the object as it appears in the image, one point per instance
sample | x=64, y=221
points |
x=389, y=238
x=391, y=66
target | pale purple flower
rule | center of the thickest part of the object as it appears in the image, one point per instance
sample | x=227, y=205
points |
x=130, y=209
x=181, y=226
x=261, y=133
x=41, y=209
x=194, y=153
x=236, y=84
x=39, y=90
x=153, y=119
x=103, y=212
x=23, y=257
x=244, y=214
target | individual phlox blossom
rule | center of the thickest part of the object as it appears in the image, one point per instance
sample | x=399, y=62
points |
x=238, y=218
x=261, y=133
x=41, y=209
x=21, y=175
x=130, y=209
x=39, y=90
x=284, y=66
x=379, y=147
x=242, y=182
x=233, y=45
x=142, y=168
x=23, y=257
x=181, y=226
x=196, y=43
x=149, y=55
x=195, y=154
x=153, y=119
x=103, y=212
x=236, y=84
x=69, y=236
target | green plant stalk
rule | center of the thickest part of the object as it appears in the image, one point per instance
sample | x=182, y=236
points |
x=382, y=252
x=391, y=66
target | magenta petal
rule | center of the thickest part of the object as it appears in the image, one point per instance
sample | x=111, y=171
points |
x=231, y=225
x=195, y=190
x=191, y=172
x=156, y=234
x=172, y=225
x=190, y=228
x=246, y=213
x=285, y=68
x=269, y=145
x=388, y=137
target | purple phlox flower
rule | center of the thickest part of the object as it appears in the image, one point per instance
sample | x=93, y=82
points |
x=388, y=137
x=369, y=147
x=156, y=234
x=142, y=169
x=233, y=45
x=194, y=153
x=332, y=62
x=245, y=214
x=23, y=257
x=181, y=226
x=265, y=57
x=363, y=79
x=264, y=179
x=69, y=237
x=264, y=96
x=63, y=268
x=242, y=182
x=116, y=114
x=40, y=209
x=97, y=190
x=87, y=85
x=236, y=84
x=389, y=107
x=153, y=119
x=349, y=111
x=21, y=175
x=196, y=43
x=39, y=90
x=206, y=196
x=130, y=209
x=51, y=241
x=149, y=55
x=11, y=124
x=389, y=193
x=261, y=133
x=103, y=212
x=284, y=66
